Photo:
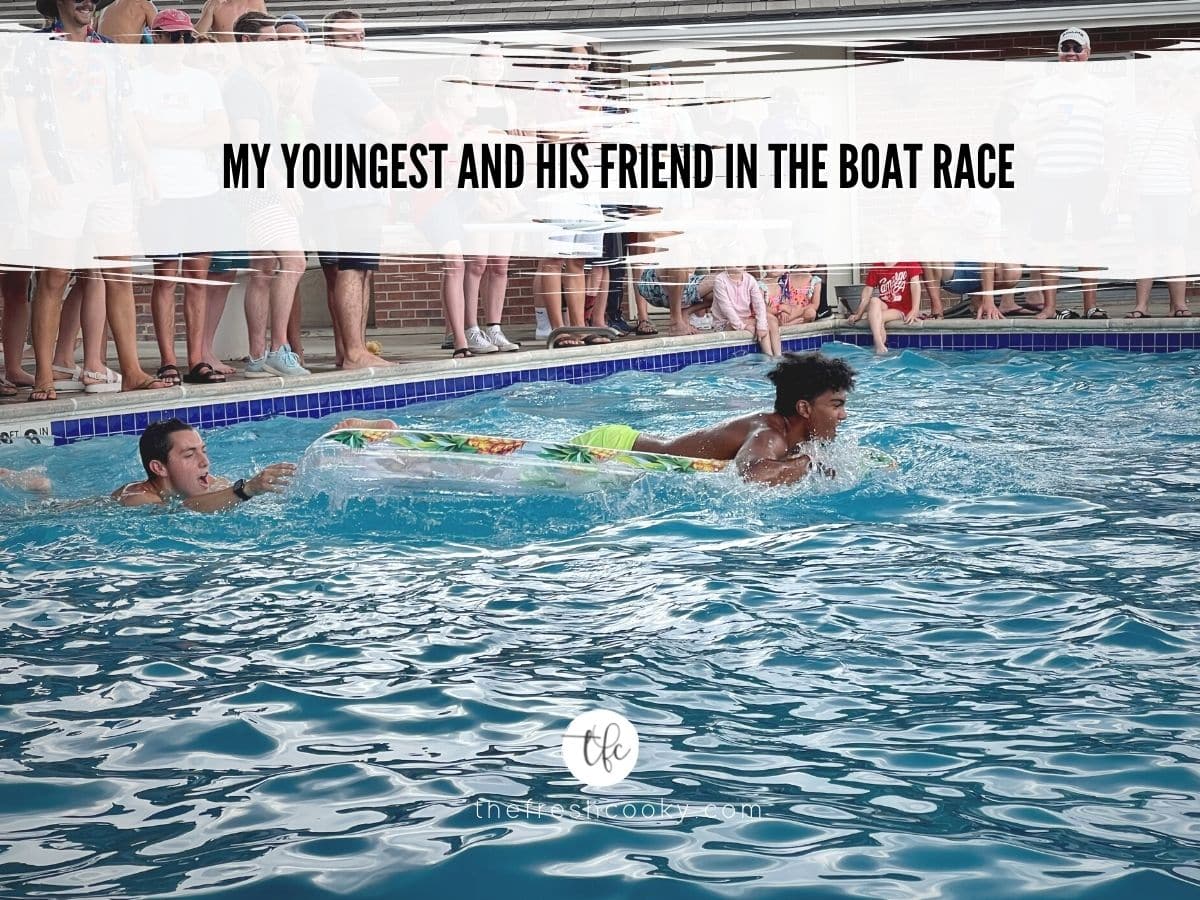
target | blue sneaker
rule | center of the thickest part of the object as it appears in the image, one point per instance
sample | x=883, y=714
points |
x=284, y=363
x=619, y=323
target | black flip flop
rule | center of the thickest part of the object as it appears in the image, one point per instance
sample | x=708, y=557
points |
x=203, y=373
x=169, y=374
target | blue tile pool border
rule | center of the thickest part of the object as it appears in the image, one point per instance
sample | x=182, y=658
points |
x=326, y=401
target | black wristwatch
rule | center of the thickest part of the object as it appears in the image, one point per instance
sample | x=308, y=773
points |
x=239, y=489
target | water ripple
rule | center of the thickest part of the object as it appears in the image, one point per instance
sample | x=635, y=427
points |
x=975, y=676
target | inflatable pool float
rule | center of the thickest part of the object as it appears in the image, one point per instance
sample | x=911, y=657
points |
x=446, y=461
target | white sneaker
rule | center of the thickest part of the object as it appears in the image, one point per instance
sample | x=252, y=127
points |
x=496, y=337
x=257, y=368
x=284, y=363
x=704, y=322
x=477, y=343
x=542, y=324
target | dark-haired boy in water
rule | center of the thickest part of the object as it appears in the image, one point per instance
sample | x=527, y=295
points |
x=810, y=404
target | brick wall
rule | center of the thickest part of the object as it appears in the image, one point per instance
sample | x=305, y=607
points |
x=406, y=295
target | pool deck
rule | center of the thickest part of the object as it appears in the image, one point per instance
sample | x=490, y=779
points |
x=425, y=372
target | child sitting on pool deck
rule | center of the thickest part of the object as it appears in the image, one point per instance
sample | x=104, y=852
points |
x=899, y=298
x=793, y=295
x=738, y=305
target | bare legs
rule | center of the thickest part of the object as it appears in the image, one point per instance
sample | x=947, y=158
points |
x=1176, y=291
x=14, y=286
x=47, y=310
x=122, y=322
x=495, y=284
x=270, y=294
x=349, y=297
x=547, y=289
x=453, y=298
x=1048, y=280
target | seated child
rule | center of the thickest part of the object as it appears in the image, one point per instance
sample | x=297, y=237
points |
x=892, y=293
x=794, y=296
x=738, y=305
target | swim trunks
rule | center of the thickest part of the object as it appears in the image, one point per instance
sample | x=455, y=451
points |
x=966, y=279
x=608, y=437
x=655, y=294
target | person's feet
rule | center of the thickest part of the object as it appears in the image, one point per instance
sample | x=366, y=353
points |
x=680, y=329
x=222, y=367
x=140, y=380
x=881, y=350
x=363, y=360
x=1048, y=312
x=100, y=381
x=619, y=324
x=18, y=377
x=169, y=374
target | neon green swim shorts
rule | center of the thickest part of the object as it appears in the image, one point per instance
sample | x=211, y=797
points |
x=608, y=437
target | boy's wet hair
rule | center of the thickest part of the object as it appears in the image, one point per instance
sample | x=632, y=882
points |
x=805, y=376
x=155, y=442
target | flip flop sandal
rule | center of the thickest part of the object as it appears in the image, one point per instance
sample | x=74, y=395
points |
x=149, y=384
x=106, y=382
x=594, y=339
x=645, y=328
x=566, y=340
x=1095, y=313
x=47, y=393
x=1181, y=313
x=462, y=353
x=202, y=373
x=7, y=388
x=1137, y=314
x=1067, y=314
x=169, y=374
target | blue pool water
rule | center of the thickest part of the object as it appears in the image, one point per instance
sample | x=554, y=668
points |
x=973, y=677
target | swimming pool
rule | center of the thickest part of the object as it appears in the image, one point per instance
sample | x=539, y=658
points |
x=976, y=676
